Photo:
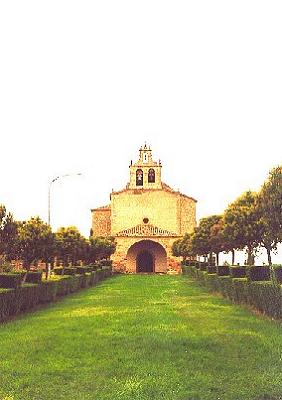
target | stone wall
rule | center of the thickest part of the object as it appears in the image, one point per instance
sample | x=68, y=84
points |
x=187, y=215
x=101, y=222
x=124, y=259
x=166, y=210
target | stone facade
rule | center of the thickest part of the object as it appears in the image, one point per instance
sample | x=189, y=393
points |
x=145, y=218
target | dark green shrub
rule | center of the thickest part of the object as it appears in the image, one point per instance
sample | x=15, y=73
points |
x=278, y=273
x=201, y=276
x=225, y=284
x=222, y=270
x=107, y=271
x=48, y=291
x=88, y=279
x=34, y=277
x=96, y=265
x=69, y=271
x=203, y=267
x=185, y=270
x=258, y=273
x=105, y=263
x=58, y=270
x=189, y=263
x=75, y=283
x=211, y=269
x=90, y=268
x=82, y=281
x=211, y=281
x=241, y=292
x=7, y=301
x=92, y=278
x=237, y=272
x=10, y=280
x=28, y=296
x=192, y=271
x=81, y=270
x=99, y=273
x=64, y=286
x=266, y=297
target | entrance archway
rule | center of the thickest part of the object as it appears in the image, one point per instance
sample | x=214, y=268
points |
x=145, y=262
x=146, y=256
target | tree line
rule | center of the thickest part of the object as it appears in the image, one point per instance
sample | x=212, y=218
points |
x=252, y=222
x=33, y=241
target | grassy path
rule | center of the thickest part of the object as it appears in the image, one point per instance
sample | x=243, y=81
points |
x=141, y=338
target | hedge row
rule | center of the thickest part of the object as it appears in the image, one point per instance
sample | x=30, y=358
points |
x=256, y=289
x=27, y=296
x=81, y=269
x=13, y=280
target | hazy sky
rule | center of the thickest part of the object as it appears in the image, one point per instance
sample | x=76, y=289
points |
x=84, y=83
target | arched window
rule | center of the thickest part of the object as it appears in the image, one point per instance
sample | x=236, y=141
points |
x=139, y=177
x=151, y=175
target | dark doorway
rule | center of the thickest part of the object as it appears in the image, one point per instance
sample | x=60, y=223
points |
x=145, y=262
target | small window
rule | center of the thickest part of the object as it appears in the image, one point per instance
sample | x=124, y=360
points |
x=146, y=220
x=139, y=177
x=151, y=175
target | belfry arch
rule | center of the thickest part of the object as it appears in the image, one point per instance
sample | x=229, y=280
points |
x=146, y=256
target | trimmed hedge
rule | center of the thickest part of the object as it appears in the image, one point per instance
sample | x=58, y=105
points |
x=58, y=270
x=222, y=270
x=25, y=297
x=34, y=277
x=81, y=270
x=105, y=263
x=211, y=269
x=258, y=273
x=10, y=280
x=237, y=272
x=48, y=291
x=185, y=269
x=69, y=271
x=253, y=290
x=278, y=274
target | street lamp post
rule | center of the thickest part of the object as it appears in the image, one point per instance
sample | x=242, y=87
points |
x=49, y=193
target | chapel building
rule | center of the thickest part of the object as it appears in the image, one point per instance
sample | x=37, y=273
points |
x=145, y=218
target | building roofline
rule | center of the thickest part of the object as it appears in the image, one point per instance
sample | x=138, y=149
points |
x=165, y=188
x=102, y=208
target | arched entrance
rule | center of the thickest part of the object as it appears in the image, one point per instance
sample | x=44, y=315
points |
x=146, y=256
x=145, y=262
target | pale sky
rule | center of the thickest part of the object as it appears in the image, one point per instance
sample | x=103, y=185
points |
x=83, y=84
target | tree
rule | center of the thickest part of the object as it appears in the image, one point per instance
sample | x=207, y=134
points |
x=101, y=247
x=202, y=237
x=217, y=239
x=34, y=241
x=270, y=211
x=242, y=225
x=176, y=252
x=8, y=232
x=71, y=246
x=183, y=247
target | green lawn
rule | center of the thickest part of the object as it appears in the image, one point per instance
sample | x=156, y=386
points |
x=141, y=337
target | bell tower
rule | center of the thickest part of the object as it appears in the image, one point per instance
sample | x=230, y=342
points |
x=145, y=173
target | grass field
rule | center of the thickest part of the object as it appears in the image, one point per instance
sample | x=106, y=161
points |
x=141, y=337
